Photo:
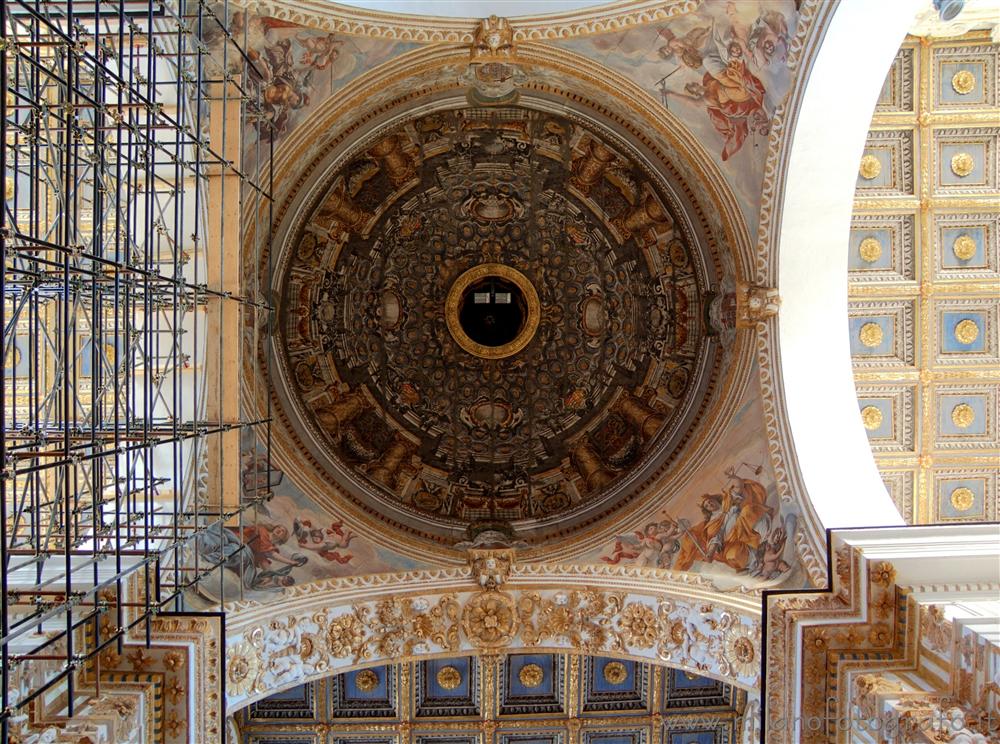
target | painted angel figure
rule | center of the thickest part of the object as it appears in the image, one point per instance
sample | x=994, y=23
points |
x=320, y=51
x=655, y=545
x=768, y=37
x=326, y=543
x=687, y=49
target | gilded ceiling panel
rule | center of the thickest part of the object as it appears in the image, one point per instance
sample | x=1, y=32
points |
x=924, y=281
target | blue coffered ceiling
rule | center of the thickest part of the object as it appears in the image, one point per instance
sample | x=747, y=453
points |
x=517, y=699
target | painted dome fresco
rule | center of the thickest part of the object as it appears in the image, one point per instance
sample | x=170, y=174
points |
x=493, y=318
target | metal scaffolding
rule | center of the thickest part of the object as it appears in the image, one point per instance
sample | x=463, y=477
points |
x=123, y=306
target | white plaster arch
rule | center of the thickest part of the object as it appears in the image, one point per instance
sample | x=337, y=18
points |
x=341, y=624
x=832, y=122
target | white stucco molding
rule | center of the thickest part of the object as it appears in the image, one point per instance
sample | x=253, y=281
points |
x=340, y=624
x=829, y=131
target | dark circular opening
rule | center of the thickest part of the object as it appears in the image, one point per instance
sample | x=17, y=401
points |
x=492, y=311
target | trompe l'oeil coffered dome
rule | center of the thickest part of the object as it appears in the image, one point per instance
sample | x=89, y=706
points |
x=495, y=317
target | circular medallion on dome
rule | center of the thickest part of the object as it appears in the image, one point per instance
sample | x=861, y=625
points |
x=492, y=316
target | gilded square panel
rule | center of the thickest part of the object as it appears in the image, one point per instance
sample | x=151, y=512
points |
x=703, y=729
x=899, y=484
x=532, y=684
x=364, y=693
x=539, y=737
x=965, y=161
x=447, y=687
x=966, y=416
x=882, y=247
x=882, y=333
x=897, y=90
x=686, y=690
x=967, y=331
x=888, y=414
x=967, y=245
x=614, y=685
x=965, y=76
x=887, y=164
x=295, y=705
x=964, y=495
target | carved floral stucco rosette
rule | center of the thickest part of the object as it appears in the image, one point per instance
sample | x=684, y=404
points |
x=290, y=649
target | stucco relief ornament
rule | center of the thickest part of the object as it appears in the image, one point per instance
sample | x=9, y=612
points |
x=493, y=40
x=962, y=164
x=755, y=304
x=489, y=620
x=491, y=568
x=242, y=666
x=639, y=625
x=493, y=79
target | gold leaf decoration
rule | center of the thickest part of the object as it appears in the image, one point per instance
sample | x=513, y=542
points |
x=490, y=619
x=966, y=331
x=872, y=417
x=449, y=678
x=962, y=164
x=531, y=675
x=964, y=247
x=739, y=650
x=963, y=82
x=870, y=168
x=241, y=669
x=871, y=335
x=963, y=415
x=962, y=499
x=346, y=637
x=639, y=625
x=615, y=672
x=870, y=250
x=582, y=619
x=366, y=680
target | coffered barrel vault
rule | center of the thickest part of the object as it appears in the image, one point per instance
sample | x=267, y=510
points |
x=518, y=699
x=925, y=281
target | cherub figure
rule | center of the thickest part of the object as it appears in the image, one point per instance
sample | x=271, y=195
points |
x=327, y=543
x=320, y=51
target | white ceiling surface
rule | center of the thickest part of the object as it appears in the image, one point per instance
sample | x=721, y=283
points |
x=473, y=8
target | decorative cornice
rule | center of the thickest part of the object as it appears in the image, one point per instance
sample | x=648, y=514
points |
x=335, y=18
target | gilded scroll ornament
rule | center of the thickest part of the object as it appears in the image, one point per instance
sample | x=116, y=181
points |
x=8, y=188
x=449, y=678
x=962, y=499
x=366, y=680
x=964, y=247
x=963, y=415
x=615, y=672
x=872, y=417
x=963, y=82
x=870, y=335
x=531, y=675
x=966, y=331
x=870, y=168
x=962, y=164
x=870, y=250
